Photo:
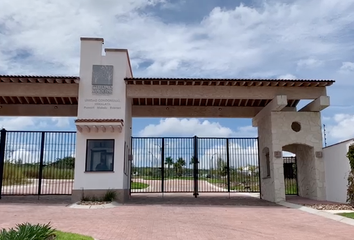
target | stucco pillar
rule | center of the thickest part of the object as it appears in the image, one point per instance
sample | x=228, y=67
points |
x=104, y=123
x=271, y=164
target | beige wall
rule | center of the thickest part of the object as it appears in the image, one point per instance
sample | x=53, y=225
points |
x=275, y=133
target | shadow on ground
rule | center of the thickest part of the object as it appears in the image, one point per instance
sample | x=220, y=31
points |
x=42, y=200
x=232, y=200
x=222, y=200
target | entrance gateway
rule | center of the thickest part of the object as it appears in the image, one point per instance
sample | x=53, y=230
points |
x=106, y=96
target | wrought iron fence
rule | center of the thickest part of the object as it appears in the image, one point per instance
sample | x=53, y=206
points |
x=192, y=164
x=290, y=175
x=34, y=162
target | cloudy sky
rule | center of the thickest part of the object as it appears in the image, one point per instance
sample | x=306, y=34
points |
x=188, y=38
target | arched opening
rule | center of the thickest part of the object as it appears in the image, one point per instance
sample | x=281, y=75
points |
x=290, y=173
x=299, y=170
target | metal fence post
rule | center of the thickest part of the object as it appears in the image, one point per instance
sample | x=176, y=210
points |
x=195, y=167
x=41, y=164
x=228, y=164
x=259, y=170
x=162, y=164
x=2, y=156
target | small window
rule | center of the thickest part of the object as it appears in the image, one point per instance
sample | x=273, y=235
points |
x=99, y=155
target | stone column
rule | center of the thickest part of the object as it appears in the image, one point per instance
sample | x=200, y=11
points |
x=271, y=164
x=299, y=133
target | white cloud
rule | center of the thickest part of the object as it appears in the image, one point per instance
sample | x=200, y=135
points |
x=192, y=127
x=34, y=123
x=18, y=123
x=61, y=122
x=342, y=128
x=309, y=63
x=287, y=76
x=347, y=67
x=225, y=42
x=269, y=40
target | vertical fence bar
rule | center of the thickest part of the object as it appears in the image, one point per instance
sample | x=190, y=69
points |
x=228, y=164
x=2, y=156
x=40, y=175
x=259, y=170
x=296, y=177
x=162, y=164
x=290, y=175
x=131, y=166
x=195, y=167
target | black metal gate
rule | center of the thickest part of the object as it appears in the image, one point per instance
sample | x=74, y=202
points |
x=290, y=175
x=35, y=163
x=193, y=164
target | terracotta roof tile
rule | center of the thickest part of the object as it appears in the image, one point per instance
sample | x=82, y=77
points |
x=38, y=79
x=231, y=79
x=99, y=120
x=231, y=82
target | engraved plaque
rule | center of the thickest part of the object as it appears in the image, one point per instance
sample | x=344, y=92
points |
x=278, y=154
x=318, y=154
x=102, y=79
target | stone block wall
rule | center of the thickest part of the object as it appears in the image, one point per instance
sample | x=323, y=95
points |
x=304, y=138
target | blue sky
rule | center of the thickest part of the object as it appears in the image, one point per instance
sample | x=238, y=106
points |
x=189, y=38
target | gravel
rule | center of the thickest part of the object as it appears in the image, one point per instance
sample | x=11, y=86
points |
x=93, y=203
x=330, y=206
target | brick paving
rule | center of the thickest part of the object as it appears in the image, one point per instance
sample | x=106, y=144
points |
x=178, y=216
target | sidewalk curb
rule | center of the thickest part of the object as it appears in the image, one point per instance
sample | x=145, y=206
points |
x=321, y=213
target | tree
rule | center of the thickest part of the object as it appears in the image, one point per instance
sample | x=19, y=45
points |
x=179, y=164
x=169, y=162
x=193, y=160
x=350, y=190
x=221, y=167
x=66, y=163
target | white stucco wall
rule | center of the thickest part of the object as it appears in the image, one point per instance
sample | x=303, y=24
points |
x=118, y=108
x=98, y=180
x=337, y=169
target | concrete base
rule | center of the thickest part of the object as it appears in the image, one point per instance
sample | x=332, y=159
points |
x=122, y=194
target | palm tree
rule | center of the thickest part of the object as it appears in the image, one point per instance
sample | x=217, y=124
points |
x=221, y=167
x=169, y=162
x=193, y=160
x=179, y=164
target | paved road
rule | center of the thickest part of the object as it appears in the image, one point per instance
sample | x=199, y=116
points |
x=176, y=216
x=49, y=186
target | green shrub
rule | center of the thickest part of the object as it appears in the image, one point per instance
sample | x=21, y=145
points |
x=13, y=175
x=57, y=173
x=30, y=171
x=110, y=196
x=28, y=231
